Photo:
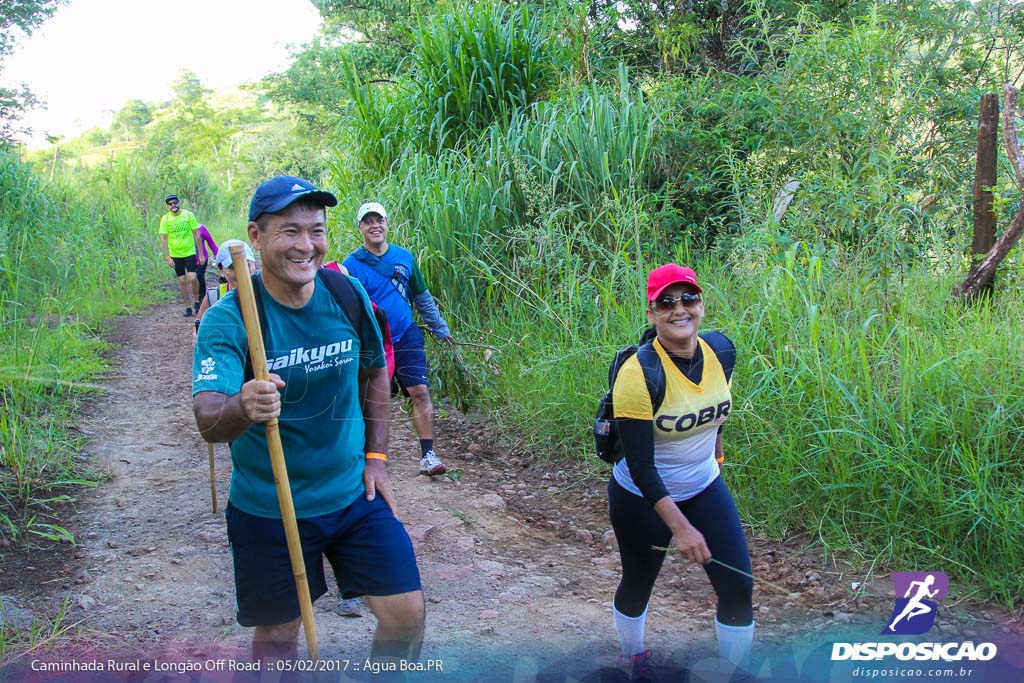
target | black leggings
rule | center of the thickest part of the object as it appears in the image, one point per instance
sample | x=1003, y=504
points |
x=201, y=276
x=713, y=513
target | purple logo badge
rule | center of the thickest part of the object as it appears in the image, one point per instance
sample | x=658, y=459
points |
x=918, y=594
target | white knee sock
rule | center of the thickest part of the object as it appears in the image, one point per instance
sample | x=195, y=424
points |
x=631, y=632
x=734, y=642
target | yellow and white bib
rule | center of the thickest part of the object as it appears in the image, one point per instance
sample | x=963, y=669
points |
x=686, y=425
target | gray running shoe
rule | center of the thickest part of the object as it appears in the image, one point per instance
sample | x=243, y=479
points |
x=352, y=608
x=431, y=465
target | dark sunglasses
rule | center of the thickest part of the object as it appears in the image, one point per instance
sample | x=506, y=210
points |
x=667, y=304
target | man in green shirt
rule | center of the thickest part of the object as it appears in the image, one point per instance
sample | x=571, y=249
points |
x=179, y=241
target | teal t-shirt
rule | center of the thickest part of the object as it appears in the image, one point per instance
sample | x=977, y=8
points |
x=318, y=354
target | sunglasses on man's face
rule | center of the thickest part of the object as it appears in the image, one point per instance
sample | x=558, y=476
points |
x=667, y=304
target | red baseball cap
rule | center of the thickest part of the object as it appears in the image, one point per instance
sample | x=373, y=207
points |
x=669, y=274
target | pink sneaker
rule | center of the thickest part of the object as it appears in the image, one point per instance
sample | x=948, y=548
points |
x=638, y=667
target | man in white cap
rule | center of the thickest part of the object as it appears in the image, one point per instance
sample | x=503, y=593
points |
x=394, y=282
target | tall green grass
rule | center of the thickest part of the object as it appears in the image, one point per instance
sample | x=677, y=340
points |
x=887, y=422
x=475, y=66
x=478, y=65
x=868, y=411
x=886, y=419
x=71, y=255
x=560, y=171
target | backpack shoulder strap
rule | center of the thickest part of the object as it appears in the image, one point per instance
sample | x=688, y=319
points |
x=650, y=363
x=621, y=356
x=390, y=272
x=361, y=254
x=724, y=350
x=654, y=373
x=345, y=294
x=258, y=296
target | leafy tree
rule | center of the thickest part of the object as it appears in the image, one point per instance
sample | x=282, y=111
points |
x=677, y=36
x=18, y=16
x=312, y=85
x=97, y=137
x=130, y=120
x=25, y=16
x=382, y=28
x=13, y=103
x=371, y=39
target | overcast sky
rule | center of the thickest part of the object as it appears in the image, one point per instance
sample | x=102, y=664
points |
x=94, y=55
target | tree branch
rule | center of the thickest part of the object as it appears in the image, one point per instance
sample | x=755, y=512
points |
x=983, y=271
x=1010, y=134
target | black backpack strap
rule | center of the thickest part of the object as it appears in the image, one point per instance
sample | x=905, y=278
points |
x=345, y=294
x=654, y=373
x=724, y=350
x=257, y=295
x=621, y=356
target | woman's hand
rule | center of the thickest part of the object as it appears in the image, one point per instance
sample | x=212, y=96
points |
x=690, y=543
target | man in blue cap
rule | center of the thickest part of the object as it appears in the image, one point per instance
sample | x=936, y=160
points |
x=329, y=389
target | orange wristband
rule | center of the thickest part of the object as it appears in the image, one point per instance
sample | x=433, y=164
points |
x=377, y=456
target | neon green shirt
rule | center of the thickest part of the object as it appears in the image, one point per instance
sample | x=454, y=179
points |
x=180, y=242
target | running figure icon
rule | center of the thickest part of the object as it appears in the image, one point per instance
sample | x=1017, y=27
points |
x=922, y=592
x=915, y=607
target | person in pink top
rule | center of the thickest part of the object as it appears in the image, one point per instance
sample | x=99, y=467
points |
x=204, y=240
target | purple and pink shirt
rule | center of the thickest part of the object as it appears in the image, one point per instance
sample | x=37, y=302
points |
x=205, y=238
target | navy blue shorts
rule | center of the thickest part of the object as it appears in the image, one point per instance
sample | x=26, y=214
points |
x=183, y=264
x=410, y=358
x=368, y=548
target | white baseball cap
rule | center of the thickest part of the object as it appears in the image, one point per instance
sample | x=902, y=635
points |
x=370, y=207
x=223, y=257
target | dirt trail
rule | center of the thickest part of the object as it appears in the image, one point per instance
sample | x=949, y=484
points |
x=517, y=574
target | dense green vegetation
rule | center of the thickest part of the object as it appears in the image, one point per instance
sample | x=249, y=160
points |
x=541, y=157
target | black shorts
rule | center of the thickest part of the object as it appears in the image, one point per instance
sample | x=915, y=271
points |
x=184, y=263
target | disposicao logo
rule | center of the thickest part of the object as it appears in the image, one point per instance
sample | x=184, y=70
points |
x=922, y=592
x=918, y=595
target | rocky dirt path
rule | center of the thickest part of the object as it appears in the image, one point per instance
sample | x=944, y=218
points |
x=516, y=563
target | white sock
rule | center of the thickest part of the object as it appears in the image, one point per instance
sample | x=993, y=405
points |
x=631, y=632
x=734, y=642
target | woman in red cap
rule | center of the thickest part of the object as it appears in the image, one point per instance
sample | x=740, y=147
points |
x=669, y=487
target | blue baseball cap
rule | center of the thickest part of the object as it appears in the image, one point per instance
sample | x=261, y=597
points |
x=280, y=191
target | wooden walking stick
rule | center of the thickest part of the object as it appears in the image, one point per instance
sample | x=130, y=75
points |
x=213, y=485
x=284, y=491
